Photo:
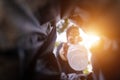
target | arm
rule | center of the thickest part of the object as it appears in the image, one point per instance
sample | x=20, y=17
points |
x=63, y=51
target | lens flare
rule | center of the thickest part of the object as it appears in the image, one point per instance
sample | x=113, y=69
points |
x=89, y=39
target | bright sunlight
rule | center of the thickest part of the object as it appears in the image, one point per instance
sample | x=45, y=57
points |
x=89, y=39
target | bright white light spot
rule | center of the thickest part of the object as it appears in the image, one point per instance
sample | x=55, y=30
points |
x=89, y=39
x=61, y=37
x=89, y=68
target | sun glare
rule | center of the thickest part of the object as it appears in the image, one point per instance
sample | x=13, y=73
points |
x=89, y=39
